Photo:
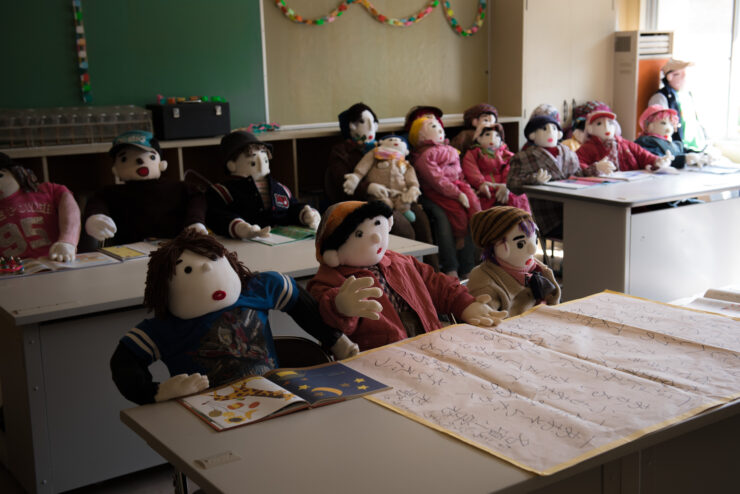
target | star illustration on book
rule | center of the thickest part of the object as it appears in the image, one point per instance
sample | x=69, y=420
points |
x=345, y=385
x=359, y=380
x=303, y=386
x=362, y=387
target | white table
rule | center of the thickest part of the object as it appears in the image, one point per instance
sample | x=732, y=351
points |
x=57, y=334
x=665, y=254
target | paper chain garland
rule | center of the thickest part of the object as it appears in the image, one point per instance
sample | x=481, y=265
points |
x=81, y=44
x=403, y=22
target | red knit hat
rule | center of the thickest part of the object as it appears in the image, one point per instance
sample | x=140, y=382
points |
x=652, y=110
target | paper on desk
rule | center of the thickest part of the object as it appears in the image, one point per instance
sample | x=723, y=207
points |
x=562, y=384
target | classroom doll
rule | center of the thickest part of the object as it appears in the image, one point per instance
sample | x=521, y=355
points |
x=658, y=125
x=374, y=295
x=36, y=219
x=210, y=323
x=251, y=201
x=475, y=119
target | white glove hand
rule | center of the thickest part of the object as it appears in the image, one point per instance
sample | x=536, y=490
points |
x=181, y=385
x=377, y=190
x=351, y=180
x=697, y=159
x=479, y=313
x=502, y=194
x=245, y=230
x=344, y=348
x=663, y=161
x=198, y=227
x=62, y=252
x=351, y=301
x=484, y=190
x=411, y=194
x=100, y=227
x=543, y=176
x=310, y=217
x=463, y=199
x=604, y=167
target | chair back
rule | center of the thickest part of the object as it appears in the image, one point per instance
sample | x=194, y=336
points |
x=295, y=351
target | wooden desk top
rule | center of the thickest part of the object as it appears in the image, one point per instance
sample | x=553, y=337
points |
x=49, y=296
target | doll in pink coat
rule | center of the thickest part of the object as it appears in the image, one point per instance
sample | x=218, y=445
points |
x=441, y=177
x=486, y=166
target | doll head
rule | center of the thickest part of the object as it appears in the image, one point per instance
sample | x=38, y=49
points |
x=490, y=137
x=419, y=112
x=506, y=234
x=354, y=233
x=660, y=121
x=546, y=109
x=543, y=131
x=245, y=155
x=192, y=275
x=674, y=73
x=358, y=123
x=14, y=177
x=137, y=156
x=602, y=124
x=481, y=114
x=395, y=145
x=426, y=130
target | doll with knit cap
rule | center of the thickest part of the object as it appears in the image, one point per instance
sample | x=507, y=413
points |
x=486, y=166
x=475, y=119
x=440, y=174
x=251, y=200
x=509, y=273
x=658, y=125
x=376, y=296
x=36, y=220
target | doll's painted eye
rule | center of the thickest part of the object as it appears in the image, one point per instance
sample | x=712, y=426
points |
x=188, y=270
x=377, y=222
x=520, y=244
x=358, y=234
x=152, y=157
x=123, y=159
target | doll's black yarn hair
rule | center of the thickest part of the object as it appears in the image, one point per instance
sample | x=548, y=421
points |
x=25, y=177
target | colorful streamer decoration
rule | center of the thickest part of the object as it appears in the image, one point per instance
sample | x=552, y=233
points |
x=402, y=22
x=81, y=43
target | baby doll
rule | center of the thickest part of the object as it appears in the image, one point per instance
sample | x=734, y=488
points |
x=36, y=220
x=144, y=205
x=251, y=201
x=610, y=151
x=386, y=165
x=351, y=245
x=658, y=125
x=486, y=166
x=210, y=322
x=438, y=166
x=509, y=273
x=475, y=119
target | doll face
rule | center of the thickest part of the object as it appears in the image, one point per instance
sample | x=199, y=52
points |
x=395, y=144
x=432, y=131
x=677, y=78
x=8, y=184
x=484, y=120
x=367, y=244
x=661, y=126
x=364, y=129
x=517, y=248
x=490, y=139
x=255, y=164
x=201, y=285
x=603, y=127
x=580, y=135
x=547, y=136
x=133, y=163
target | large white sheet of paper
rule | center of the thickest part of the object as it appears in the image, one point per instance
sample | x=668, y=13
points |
x=561, y=384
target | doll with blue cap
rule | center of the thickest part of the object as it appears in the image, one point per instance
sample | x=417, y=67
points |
x=142, y=204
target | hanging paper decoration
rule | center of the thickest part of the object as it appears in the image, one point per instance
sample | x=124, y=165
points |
x=402, y=22
x=81, y=52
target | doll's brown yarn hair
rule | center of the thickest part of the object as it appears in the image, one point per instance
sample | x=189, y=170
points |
x=162, y=264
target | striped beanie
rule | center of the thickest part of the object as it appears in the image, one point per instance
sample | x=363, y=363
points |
x=340, y=220
x=488, y=226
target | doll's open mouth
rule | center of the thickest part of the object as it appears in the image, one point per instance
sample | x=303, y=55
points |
x=219, y=295
x=529, y=261
x=607, y=133
x=142, y=171
x=379, y=250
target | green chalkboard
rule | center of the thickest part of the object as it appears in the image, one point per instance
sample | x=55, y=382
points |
x=136, y=50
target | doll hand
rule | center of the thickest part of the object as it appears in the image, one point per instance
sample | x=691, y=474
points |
x=100, y=227
x=245, y=230
x=484, y=190
x=181, y=385
x=463, y=199
x=479, y=313
x=62, y=252
x=198, y=227
x=351, y=180
x=502, y=194
x=351, y=301
x=411, y=194
x=696, y=159
x=542, y=176
x=377, y=190
x=662, y=162
x=310, y=217
x=344, y=348
x=604, y=167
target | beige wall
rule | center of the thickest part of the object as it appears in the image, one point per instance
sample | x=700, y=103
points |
x=628, y=14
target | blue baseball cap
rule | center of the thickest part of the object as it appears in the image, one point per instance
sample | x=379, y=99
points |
x=137, y=138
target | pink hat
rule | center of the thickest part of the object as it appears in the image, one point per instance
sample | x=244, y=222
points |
x=598, y=114
x=652, y=110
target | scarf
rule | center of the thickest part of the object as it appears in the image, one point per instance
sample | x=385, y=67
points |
x=490, y=152
x=388, y=154
x=612, y=151
x=519, y=274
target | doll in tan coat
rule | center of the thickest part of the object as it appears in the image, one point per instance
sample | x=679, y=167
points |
x=509, y=273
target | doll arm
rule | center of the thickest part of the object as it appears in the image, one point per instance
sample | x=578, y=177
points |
x=340, y=164
x=479, y=283
x=197, y=205
x=309, y=217
x=325, y=291
x=219, y=215
x=522, y=172
x=447, y=294
x=412, y=192
x=64, y=248
x=471, y=170
x=132, y=377
x=352, y=180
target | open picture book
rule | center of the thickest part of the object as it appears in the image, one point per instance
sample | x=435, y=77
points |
x=279, y=392
x=44, y=264
x=284, y=234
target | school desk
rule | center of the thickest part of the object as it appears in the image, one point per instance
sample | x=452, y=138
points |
x=57, y=334
x=614, y=237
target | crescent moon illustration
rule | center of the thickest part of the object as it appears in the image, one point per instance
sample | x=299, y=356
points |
x=336, y=391
x=287, y=373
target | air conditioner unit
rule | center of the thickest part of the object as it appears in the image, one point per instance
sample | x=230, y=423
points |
x=638, y=58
